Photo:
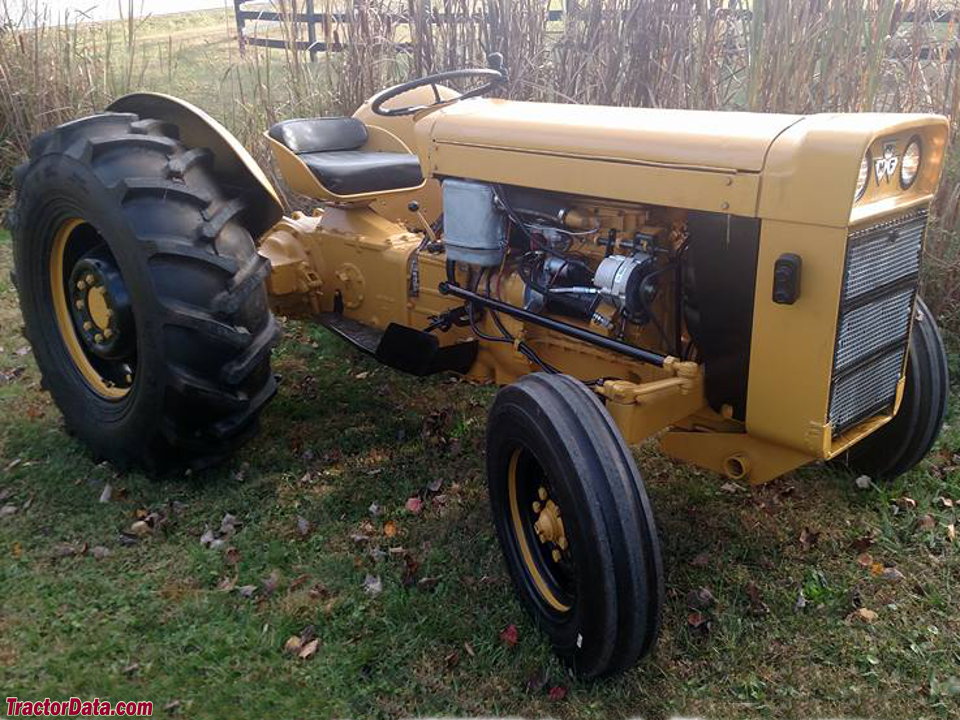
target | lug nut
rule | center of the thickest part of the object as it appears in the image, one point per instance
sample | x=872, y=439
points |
x=108, y=333
x=537, y=506
x=79, y=304
x=98, y=338
x=562, y=542
x=542, y=493
x=81, y=285
x=90, y=279
x=88, y=326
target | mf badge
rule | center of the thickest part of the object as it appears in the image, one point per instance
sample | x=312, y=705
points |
x=886, y=166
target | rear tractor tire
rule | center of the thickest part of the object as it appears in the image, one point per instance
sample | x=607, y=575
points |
x=902, y=443
x=142, y=293
x=574, y=523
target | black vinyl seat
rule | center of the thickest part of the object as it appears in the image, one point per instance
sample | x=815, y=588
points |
x=329, y=148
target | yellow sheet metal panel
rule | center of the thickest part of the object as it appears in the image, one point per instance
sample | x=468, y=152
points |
x=688, y=138
x=791, y=355
x=811, y=171
x=719, y=191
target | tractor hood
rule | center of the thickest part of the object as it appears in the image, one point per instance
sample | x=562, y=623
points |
x=685, y=138
x=778, y=167
x=679, y=158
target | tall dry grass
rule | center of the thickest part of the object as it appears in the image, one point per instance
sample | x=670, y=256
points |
x=761, y=55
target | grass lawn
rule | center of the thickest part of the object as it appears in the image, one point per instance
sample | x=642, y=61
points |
x=90, y=609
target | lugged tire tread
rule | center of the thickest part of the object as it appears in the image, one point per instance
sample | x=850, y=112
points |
x=240, y=328
x=246, y=280
x=235, y=372
x=151, y=126
x=178, y=166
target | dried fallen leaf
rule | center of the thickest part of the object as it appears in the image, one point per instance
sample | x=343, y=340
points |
x=268, y=585
x=375, y=510
x=510, y=636
x=8, y=510
x=372, y=585
x=17, y=550
x=700, y=599
x=226, y=583
x=414, y=505
x=308, y=633
x=892, y=574
x=698, y=621
x=172, y=706
x=435, y=485
x=64, y=550
x=926, y=522
x=247, y=591
x=410, y=570
x=107, y=493
x=131, y=669
x=452, y=659
x=100, y=552
x=801, y=602
x=557, y=693
x=309, y=650
x=207, y=537
x=701, y=560
x=951, y=532
x=228, y=525
x=303, y=526
x=469, y=649
x=731, y=488
x=231, y=556
x=862, y=543
x=297, y=582
x=808, y=538
x=863, y=482
x=865, y=560
x=876, y=569
x=863, y=614
x=140, y=528
x=906, y=502
x=293, y=645
x=946, y=502
x=390, y=529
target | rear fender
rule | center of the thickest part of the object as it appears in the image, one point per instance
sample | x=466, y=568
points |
x=232, y=162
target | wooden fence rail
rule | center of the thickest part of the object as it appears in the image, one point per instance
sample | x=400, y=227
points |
x=311, y=19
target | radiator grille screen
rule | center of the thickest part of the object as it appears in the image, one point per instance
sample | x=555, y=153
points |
x=879, y=286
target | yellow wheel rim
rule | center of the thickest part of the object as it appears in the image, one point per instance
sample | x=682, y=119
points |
x=65, y=322
x=520, y=533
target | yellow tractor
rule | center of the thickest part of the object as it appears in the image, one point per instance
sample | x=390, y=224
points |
x=742, y=286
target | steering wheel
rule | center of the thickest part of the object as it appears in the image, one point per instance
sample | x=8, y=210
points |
x=495, y=75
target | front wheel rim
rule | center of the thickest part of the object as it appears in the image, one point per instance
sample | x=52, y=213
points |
x=92, y=309
x=539, y=533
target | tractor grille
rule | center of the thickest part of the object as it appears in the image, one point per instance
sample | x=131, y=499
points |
x=879, y=286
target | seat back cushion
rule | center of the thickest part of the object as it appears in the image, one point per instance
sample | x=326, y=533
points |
x=310, y=135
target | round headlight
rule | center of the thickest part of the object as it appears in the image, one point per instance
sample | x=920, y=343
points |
x=910, y=164
x=863, y=176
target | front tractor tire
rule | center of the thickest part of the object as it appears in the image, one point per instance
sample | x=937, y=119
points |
x=142, y=293
x=574, y=522
x=903, y=442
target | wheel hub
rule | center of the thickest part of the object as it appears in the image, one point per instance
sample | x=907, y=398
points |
x=549, y=524
x=100, y=305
